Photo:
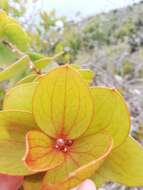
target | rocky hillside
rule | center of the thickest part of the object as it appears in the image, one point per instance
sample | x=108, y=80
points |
x=112, y=46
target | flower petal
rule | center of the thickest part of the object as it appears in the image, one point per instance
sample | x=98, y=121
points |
x=20, y=97
x=41, y=154
x=10, y=182
x=124, y=165
x=62, y=103
x=111, y=114
x=85, y=158
x=13, y=127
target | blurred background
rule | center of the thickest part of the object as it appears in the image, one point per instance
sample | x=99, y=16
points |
x=105, y=36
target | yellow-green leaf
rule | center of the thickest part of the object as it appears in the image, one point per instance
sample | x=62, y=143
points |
x=124, y=165
x=40, y=153
x=13, y=127
x=110, y=114
x=3, y=19
x=87, y=75
x=20, y=97
x=15, y=68
x=35, y=56
x=85, y=157
x=27, y=79
x=6, y=56
x=98, y=179
x=14, y=33
x=62, y=103
x=4, y=5
x=41, y=63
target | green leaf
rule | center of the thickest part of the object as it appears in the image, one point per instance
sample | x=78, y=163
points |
x=87, y=74
x=13, y=127
x=3, y=20
x=35, y=56
x=15, y=34
x=111, y=114
x=15, y=68
x=20, y=97
x=124, y=165
x=6, y=55
x=41, y=63
x=4, y=5
x=27, y=79
x=62, y=103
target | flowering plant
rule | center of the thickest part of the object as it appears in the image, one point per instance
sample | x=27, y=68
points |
x=58, y=131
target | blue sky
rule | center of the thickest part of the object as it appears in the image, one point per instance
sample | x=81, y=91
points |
x=86, y=7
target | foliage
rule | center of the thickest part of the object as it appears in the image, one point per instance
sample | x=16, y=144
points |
x=126, y=29
x=11, y=31
x=69, y=135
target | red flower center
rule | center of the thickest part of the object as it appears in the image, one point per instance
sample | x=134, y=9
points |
x=63, y=144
